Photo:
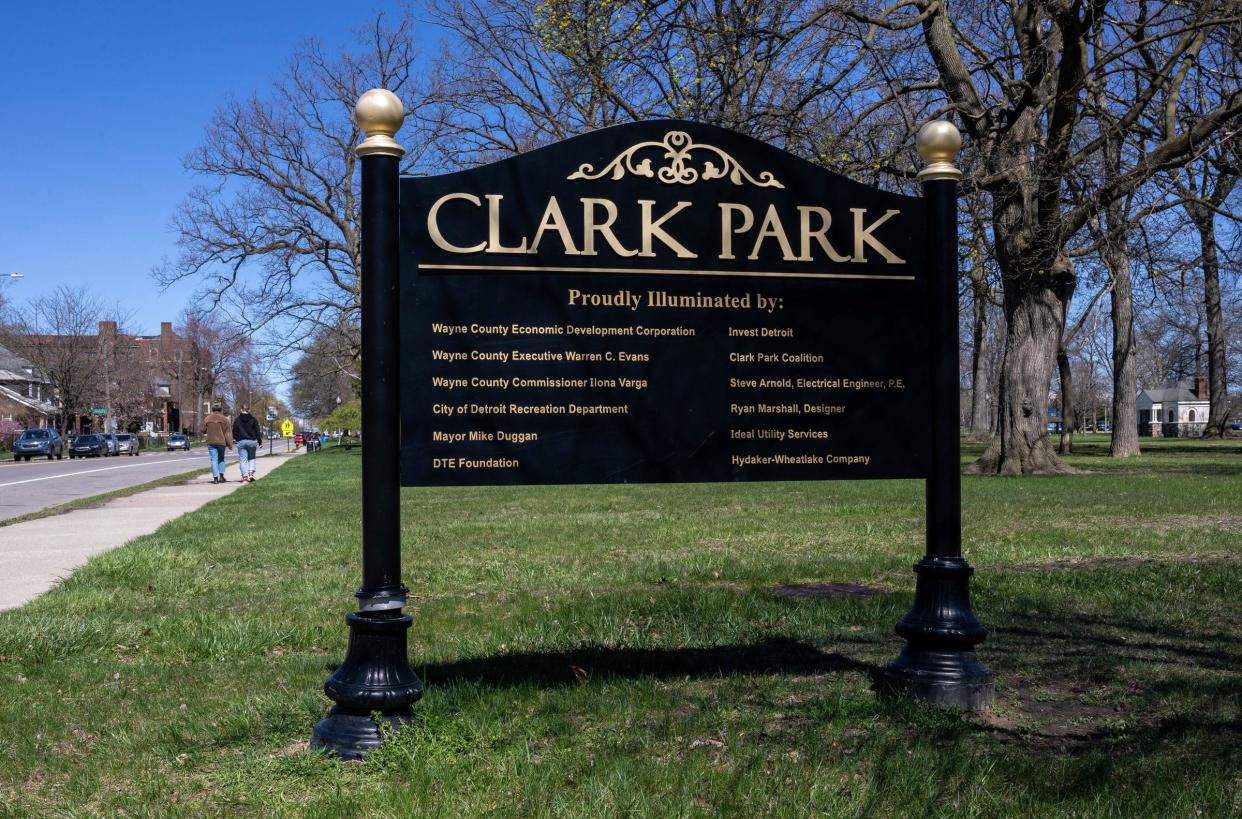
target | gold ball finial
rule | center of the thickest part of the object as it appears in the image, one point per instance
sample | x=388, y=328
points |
x=379, y=113
x=938, y=143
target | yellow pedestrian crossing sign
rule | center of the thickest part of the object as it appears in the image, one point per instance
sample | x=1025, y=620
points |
x=286, y=428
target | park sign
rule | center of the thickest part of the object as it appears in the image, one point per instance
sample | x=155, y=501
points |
x=660, y=301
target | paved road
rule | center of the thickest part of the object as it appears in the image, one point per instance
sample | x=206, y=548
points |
x=33, y=485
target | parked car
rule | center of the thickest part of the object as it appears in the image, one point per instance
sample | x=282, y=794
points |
x=130, y=445
x=34, y=442
x=177, y=442
x=114, y=446
x=90, y=445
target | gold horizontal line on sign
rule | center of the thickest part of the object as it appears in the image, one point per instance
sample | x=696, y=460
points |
x=496, y=268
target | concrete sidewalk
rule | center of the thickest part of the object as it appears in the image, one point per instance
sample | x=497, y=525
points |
x=37, y=554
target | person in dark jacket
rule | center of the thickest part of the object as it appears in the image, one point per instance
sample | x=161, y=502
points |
x=246, y=433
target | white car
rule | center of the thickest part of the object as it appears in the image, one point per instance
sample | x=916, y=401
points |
x=130, y=445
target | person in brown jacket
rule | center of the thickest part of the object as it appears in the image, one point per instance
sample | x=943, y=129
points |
x=219, y=432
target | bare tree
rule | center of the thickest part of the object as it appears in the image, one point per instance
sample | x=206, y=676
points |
x=520, y=75
x=1017, y=77
x=130, y=391
x=215, y=351
x=1206, y=186
x=273, y=235
x=58, y=334
x=980, y=272
x=326, y=375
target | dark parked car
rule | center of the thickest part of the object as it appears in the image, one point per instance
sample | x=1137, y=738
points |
x=32, y=442
x=130, y=445
x=178, y=442
x=114, y=446
x=90, y=445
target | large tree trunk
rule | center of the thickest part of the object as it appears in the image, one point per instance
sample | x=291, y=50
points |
x=1035, y=315
x=1218, y=385
x=1034, y=272
x=1067, y=402
x=1125, y=366
x=1125, y=371
x=980, y=418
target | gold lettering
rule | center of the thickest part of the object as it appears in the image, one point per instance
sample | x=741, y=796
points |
x=493, y=227
x=433, y=226
x=590, y=228
x=862, y=236
x=820, y=235
x=727, y=209
x=652, y=229
x=772, y=228
x=554, y=219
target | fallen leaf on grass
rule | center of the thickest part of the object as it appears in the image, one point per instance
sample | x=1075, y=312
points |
x=707, y=741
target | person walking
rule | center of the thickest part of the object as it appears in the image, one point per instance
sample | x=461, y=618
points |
x=246, y=433
x=219, y=434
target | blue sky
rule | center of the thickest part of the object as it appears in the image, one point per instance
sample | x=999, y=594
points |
x=101, y=102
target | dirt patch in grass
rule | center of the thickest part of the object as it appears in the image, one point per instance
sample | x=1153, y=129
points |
x=1056, y=715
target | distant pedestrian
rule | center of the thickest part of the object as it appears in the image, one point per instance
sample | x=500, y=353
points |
x=219, y=434
x=246, y=434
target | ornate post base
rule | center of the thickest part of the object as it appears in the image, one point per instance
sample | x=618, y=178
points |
x=938, y=664
x=375, y=677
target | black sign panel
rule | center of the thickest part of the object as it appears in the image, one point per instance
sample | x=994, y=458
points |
x=662, y=301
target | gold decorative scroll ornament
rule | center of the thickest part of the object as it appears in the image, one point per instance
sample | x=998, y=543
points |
x=677, y=147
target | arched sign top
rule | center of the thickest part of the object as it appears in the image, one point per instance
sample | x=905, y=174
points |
x=660, y=197
x=657, y=301
x=683, y=152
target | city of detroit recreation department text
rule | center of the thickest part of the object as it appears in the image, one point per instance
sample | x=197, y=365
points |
x=445, y=384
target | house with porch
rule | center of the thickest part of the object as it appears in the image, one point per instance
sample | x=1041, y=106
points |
x=26, y=397
x=1178, y=410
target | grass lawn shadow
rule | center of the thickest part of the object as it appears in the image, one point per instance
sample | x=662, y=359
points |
x=1075, y=682
x=774, y=656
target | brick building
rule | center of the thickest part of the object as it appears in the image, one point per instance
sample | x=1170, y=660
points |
x=118, y=380
x=156, y=378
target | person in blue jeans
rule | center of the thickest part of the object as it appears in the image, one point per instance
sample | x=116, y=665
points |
x=219, y=434
x=246, y=433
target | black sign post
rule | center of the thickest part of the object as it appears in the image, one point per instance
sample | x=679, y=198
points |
x=654, y=302
x=376, y=677
x=939, y=664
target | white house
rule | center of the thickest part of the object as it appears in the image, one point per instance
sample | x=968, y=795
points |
x=1175, y=410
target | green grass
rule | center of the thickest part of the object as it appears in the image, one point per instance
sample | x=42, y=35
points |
x=180, y=675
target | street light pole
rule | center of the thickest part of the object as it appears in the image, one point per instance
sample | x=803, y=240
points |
x=375, y=685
